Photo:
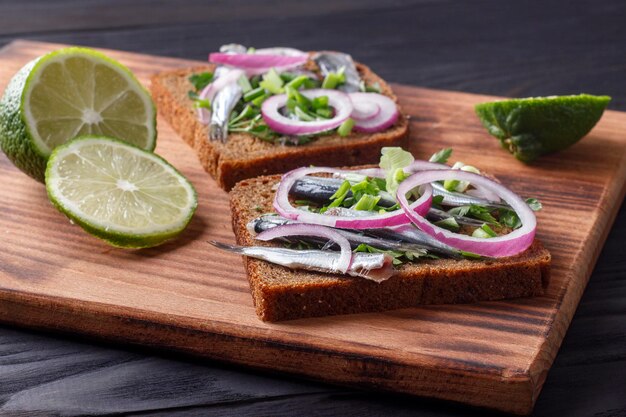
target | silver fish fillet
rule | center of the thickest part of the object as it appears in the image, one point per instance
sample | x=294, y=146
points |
x=262, y=223
x=223, y=104
x=330, y=61
x=452, y=198
x=421, y=244
x=377, y=267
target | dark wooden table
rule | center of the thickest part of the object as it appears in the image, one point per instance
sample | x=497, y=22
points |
x=512, y=49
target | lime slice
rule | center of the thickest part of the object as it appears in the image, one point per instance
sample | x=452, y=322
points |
x=127, y=196
x=68, y=93
x=531, y=127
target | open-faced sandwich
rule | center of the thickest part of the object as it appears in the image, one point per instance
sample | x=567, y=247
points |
x=256, y=112
x=325, y=241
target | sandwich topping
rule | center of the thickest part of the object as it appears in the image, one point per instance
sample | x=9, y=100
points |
x=406, y=209
x=287, y=96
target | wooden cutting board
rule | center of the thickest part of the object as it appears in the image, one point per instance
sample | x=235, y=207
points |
x=189, y=297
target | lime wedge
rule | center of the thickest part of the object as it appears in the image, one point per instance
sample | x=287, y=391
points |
x=129, y=197
x=531, y=127
x=68, y=93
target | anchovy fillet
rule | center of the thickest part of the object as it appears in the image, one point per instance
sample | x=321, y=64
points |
x=403, y=240
x=374, y=266
x=223, y=104
x=330, y=61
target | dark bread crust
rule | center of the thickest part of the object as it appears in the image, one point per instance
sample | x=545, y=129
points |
x=283, y=294
x=244, y=156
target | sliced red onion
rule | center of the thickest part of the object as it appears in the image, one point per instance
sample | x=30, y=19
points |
x=364, y=110
x=387, y=115
x=281, y=124
x=394, y=218
x=508, y=245
x=258, y=63
x=209, y=92
x=313, y=230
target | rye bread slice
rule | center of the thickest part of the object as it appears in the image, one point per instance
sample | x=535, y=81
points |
x=244, y=156
x=283, y=294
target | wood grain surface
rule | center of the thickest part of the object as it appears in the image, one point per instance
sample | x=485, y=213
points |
x=187, y=297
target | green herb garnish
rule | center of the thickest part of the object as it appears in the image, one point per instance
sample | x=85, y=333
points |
x=484, y=232
x=442, y=156
x=475, y=211
x=534, y=204
x=272, y=82
x=449, y=224
x=346, y=127
x=201, y=80
x=334, y=79
x=398, y=257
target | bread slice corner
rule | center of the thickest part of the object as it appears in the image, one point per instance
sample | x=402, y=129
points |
x=280, y=293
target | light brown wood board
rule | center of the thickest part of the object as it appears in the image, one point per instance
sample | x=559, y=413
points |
x=187, y=296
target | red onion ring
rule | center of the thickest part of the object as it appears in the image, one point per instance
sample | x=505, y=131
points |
x=364, y=110
x=386, y=117
x=283, y=206
x=313, y=230
x=508, y=245
x=281, y=124
x=258, y=63
x=209, y=92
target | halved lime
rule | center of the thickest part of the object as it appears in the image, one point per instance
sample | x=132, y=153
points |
x=531, y=127
x=127, y=196
x=68, y=93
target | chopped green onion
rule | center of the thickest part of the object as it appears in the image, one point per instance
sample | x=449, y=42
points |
x=340, y=194
x=320, y=102
x=244, y=83
x=294, y=94
x=366, y=186
x=346, y=127
x=331, y=81
x=469, y=255
x=287, y=76
x=252, y=94
x=442, y=156
x=484, y=232
x=325, y=113
x=436, y=201
x=367, y=202
x=272, y=82
x=449, y=224
x=374, y=88
x=259, y=100
x=246, y=113
x=451, y=185
x=343, y=189
x=475, y=211
x=298, y=81
x=303, y=115
x=202, y=103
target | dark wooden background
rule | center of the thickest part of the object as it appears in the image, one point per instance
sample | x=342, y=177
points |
x=506, y=48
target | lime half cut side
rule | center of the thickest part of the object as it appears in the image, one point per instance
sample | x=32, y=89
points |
x=68, y=93
x=531, y=127
x=129, y=197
